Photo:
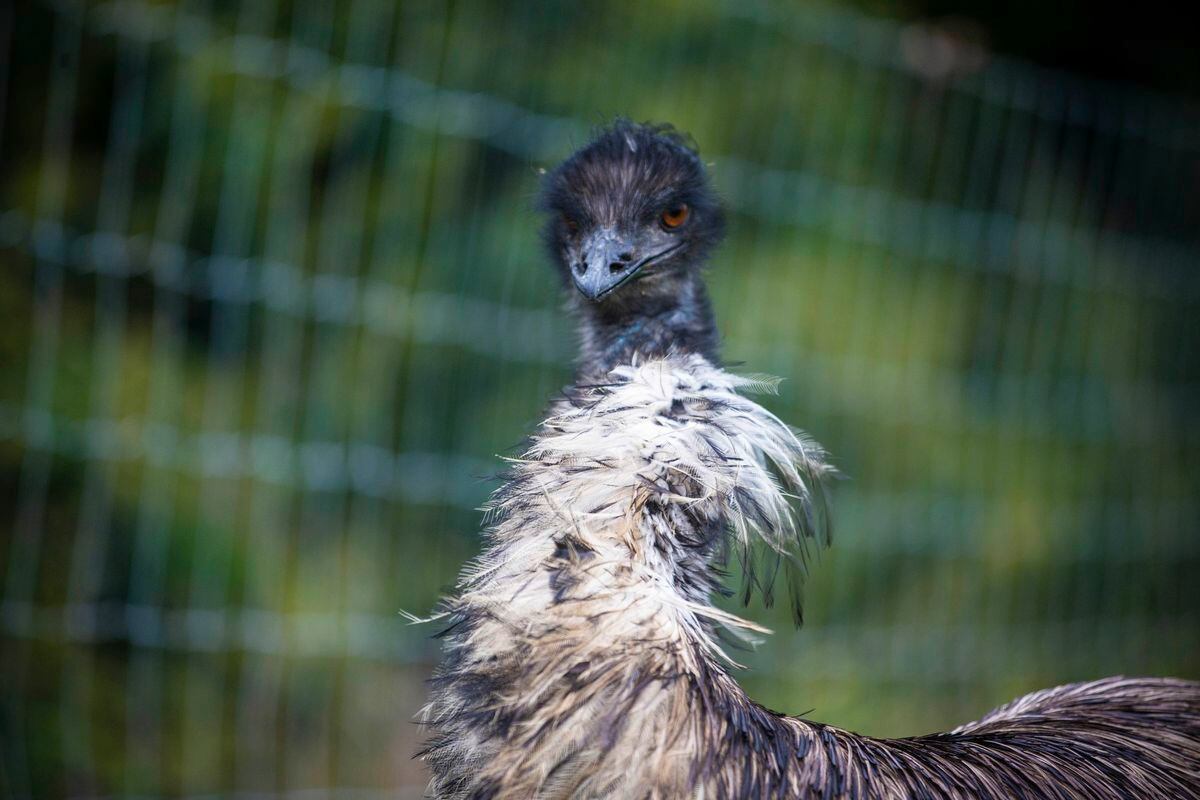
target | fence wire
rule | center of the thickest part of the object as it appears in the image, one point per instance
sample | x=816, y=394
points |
x=274, y=301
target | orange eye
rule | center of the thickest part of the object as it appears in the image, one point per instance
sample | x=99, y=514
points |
x=675, y=216
x=571, y=224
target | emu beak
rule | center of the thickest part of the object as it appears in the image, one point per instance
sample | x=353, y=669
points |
x=605, y=261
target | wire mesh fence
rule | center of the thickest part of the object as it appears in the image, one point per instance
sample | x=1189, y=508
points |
x=273, y=301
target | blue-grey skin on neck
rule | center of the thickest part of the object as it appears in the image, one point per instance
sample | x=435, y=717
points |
x=681, y=321
x=631, y=221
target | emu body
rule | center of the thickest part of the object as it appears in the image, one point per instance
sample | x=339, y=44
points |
x=582, y=656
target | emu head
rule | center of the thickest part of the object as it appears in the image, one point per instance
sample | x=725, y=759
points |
x=631, y=216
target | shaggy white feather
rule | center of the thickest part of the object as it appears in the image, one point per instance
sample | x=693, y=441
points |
x=582, y=658
x=674, y=430
x=619, y=467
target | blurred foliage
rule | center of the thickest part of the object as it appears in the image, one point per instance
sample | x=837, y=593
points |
x=273, y=303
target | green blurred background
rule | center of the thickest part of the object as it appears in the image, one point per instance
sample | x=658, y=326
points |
x=272, y=302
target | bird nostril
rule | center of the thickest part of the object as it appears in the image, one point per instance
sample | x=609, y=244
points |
x=580, y=268
x=626, y=256
x=616, y=266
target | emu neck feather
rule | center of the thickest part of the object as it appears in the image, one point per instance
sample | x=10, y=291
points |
x=582, y=656
x=586, y=629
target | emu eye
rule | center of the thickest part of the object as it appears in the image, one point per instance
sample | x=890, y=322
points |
x=571, y=223
x=675, y=216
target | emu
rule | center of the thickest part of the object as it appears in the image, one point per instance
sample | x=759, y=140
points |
x=582, y=653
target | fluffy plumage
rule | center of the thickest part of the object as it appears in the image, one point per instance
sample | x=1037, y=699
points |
x=583, y=653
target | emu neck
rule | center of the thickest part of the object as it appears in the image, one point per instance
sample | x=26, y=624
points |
x=643, y=327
